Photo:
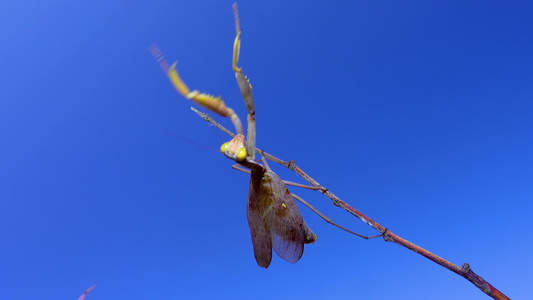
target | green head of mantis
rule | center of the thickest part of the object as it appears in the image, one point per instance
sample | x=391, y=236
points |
x=235, y=149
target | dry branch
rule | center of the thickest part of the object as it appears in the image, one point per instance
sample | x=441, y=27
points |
x=464, y=271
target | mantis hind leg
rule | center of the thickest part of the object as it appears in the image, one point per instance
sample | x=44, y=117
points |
x=304, y=186
x=301, y=200
x=331, y=222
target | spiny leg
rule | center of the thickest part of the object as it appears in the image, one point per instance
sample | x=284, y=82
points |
x=231, y=149
x=245, y=87
x=330, y=221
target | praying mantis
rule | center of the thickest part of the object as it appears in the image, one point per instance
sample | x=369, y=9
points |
x=273, y=216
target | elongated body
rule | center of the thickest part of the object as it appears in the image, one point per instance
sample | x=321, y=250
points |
x=274, y=219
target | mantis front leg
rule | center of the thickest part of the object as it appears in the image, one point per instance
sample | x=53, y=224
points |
x=210, y=102
x=244, y=86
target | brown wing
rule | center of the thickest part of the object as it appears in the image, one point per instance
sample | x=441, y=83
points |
x=274, y=220
x=283, y=219
x=288, y=230
x=257, y=206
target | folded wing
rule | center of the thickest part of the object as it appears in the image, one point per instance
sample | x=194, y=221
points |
x=282, y=228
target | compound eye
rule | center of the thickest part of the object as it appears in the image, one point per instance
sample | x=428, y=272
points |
x=224, y=147
x=241, y=153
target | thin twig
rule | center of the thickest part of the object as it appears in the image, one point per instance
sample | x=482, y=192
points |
x=464, y=271
x=82, y=297
x=208, y=119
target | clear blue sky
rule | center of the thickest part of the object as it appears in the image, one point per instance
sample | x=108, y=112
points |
x=418, y=113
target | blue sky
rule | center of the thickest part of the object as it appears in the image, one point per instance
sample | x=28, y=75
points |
x=418, y=113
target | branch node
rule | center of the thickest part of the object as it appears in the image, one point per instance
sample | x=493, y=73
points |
x=466, y=267
x=386, y=236
x=291, y=164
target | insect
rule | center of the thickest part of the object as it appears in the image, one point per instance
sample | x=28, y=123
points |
x=273, y=217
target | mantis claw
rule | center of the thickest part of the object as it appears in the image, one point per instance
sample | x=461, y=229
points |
x=210, y=102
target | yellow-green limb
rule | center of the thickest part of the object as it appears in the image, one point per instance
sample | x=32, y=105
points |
x=154, y=50
x=244, y=86
x=210, y=102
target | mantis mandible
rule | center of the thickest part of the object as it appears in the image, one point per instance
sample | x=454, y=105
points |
x=273, y=216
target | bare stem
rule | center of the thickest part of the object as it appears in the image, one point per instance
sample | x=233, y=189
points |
x=464, y=271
